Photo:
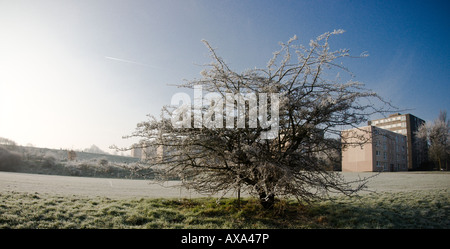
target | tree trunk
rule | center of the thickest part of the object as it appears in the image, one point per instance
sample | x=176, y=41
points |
x=239, y=197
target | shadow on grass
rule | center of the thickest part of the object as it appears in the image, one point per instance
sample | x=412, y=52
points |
x=418, y=210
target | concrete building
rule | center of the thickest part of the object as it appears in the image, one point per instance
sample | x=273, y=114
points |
x=136, y=152
x=372, y=149
x=406, y=124
x=147, y=151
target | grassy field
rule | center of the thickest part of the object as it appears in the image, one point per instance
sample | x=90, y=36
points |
x=399, y=200
x=418, y=209
x=114, y=188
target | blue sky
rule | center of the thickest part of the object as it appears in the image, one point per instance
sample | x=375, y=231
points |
x=83, y=72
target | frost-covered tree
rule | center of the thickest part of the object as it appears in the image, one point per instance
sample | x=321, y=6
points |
x=7, y=142
x=437, y=136
x=275, y=144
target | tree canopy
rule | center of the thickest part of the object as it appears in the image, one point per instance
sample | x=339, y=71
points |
x=268, y=131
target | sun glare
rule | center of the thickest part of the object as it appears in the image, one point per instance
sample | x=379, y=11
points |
x=33, y=70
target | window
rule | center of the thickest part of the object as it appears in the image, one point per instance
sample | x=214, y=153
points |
x=379, y=165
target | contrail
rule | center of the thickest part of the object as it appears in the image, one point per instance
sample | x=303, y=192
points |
x=131, y=62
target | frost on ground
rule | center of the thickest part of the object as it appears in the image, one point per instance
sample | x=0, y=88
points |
x=125, y=188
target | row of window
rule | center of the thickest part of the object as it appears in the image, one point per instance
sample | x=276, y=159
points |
x=386, y=120
x=402, y=124
x=398, y=155
x=397, y=147
x=390, y=167
x=385, y=135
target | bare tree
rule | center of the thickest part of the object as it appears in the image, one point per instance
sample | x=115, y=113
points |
x=9, y=160
x=281, y=152
x=7, y=142
x=437, y=136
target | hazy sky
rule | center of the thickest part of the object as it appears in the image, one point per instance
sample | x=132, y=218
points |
x=83, y=72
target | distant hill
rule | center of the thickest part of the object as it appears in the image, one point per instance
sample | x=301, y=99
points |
x=61, y=155
x=57, y=162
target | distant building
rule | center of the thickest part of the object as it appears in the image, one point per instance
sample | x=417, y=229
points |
x=408, y=125
x=148, y=152
x=136, y=152
x=71, y=155
x=373, y=149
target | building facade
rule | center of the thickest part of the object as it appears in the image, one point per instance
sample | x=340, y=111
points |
x=150, y=152
x=372, y=149
x=408, y=125
x=136, y=152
